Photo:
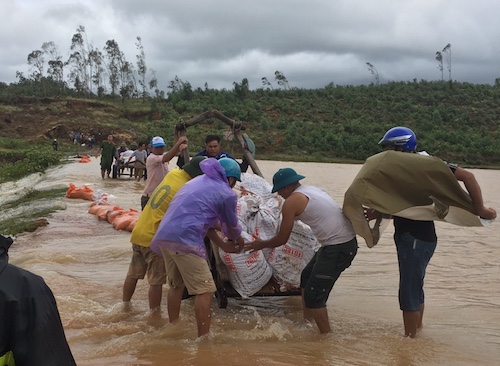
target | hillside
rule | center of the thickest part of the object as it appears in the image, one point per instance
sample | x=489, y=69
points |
x=458, y=122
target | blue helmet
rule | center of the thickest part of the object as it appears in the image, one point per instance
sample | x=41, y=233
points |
x=231, y=167
x=400, y=137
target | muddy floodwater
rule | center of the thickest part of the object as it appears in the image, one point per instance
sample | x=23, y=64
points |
x=85, y=261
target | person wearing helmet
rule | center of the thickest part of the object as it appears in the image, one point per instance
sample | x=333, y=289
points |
x=399, y=138
x=339, y=246
x=416, y=240
x=202, y=205
x=143, y=259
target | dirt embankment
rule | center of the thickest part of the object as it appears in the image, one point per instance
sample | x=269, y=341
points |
x=49, y=118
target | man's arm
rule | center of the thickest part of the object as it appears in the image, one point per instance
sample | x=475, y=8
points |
x=474, y=190
x=293, y=206
x=175, y=149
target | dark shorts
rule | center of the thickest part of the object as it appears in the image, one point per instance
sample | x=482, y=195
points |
x=144, y=202
x=413, y=257
x=319, y=276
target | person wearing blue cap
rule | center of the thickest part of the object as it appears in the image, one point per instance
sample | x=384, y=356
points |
x=157, y=164
x=334, y=231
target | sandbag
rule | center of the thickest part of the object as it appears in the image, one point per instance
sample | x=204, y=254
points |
x=288, y=261
x=94, y=208
x=83, y=192
x=123, y=221
x=247, y=272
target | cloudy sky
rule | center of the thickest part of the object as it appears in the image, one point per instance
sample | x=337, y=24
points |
x=312, y=42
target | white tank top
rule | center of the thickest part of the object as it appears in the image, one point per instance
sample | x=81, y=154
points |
x=325, y=217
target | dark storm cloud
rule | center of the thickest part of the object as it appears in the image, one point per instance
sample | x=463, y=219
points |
x=313, y=43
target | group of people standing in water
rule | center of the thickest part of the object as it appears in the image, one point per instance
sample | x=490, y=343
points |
x=180, y=211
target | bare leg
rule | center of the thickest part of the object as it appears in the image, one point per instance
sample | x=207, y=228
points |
x=154, y=294
x=202, y=311
x=320, y=316
x=174, y=298
x=102, y=173
x=411, y=319
x=420, y=324
x=129, y=288
x=307, y=315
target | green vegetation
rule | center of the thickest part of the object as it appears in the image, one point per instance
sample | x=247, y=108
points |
x=19, y=160
x=455, y=121
x=30, y=221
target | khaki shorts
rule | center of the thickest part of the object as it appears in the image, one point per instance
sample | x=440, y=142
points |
x=190, y=270
x=144, y=260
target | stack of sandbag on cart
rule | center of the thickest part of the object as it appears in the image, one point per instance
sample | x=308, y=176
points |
x=259, y=212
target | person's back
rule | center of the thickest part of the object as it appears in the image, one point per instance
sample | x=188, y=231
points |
x=325, y=217
x=31, y=327
x=198, y=206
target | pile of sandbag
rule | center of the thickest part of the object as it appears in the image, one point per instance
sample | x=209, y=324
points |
x=101, y=206
x=259, y=213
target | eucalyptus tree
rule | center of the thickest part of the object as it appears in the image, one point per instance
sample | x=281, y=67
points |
x=266, y=82
x=141, y=68
x=447, y=50
x=99, y=71
x=114, y=56
x=80, y=61
x=374, y=72
x=56, y=66
x=439, y=58
x=36, y=61
x=281, y=79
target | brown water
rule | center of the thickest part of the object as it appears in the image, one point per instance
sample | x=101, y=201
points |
x=85, y=261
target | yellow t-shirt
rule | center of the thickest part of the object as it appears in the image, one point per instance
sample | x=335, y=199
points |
x=158, y=203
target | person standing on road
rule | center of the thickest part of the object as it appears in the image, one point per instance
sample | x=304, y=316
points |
x=157, y=164
x=334, y=231
x=143, y=259
x=205, y=203
x=107, y=150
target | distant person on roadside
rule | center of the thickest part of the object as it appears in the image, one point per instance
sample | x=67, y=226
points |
x=416, y=240
x=143, y=259
x=157, y=164
x=140, y=155
x=213, y=149
x=55, y=144
x=334, y=231
x=31, y=332
x=107, y=150
x=205, y=203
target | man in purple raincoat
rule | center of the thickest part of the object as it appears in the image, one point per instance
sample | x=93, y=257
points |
x=201, y=205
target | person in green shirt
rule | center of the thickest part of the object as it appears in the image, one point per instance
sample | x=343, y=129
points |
x=107, y=150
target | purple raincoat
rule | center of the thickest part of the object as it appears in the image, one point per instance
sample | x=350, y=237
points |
x=201, y=204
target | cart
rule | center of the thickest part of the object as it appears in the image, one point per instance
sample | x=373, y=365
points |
x=224, y=289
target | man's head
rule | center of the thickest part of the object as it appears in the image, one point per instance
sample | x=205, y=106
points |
x=233, y=171
x=110, y=138
x=285, y=181
x=212, y=145
x=399, y=138
x=193, y=167
x=158, y=145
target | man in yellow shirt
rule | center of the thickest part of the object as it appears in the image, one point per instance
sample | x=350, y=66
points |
x=143, y=259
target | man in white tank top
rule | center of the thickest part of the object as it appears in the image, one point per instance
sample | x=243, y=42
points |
x=333, y=230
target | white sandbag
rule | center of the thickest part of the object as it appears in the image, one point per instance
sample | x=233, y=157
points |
x=258, y=219
x=288, y=261
x=247, y=272
x=255, y=184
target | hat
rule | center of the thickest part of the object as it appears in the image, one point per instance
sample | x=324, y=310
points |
x=158, y=141
x=193, y=167
x=285, y=177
